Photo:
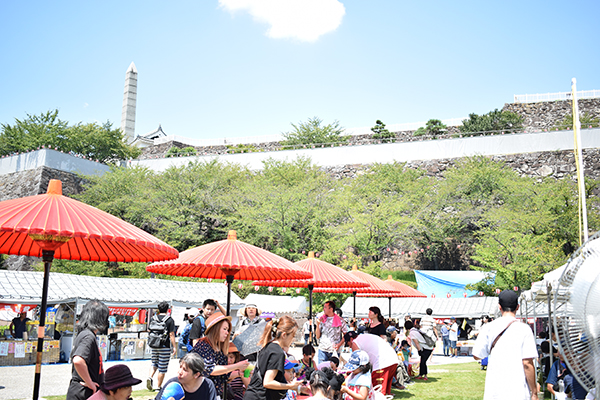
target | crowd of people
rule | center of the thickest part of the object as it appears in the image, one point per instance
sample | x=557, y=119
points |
x=382, y=356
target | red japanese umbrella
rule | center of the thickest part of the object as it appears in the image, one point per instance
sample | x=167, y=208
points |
x=376, y=288
x=54, y=226
x=324, y=275
x=230, y=259
x=403, y=288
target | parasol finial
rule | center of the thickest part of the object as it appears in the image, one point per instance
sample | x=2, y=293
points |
x=355, y=267
x=54, y=187
x=311, y=254
x=390, y=278
x=232, y=235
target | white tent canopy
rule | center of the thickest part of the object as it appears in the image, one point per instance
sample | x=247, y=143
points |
x=278, y=304
x=20, y=287
x=470, y=307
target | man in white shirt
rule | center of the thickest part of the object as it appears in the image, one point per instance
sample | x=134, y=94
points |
x=510, y=371
x=453, y=337
x=381, y=355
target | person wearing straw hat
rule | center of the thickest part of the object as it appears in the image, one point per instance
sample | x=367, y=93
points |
x=117, y=385
x=238, y=382
x=190, y=378
x=251, y=315
x=214, y=347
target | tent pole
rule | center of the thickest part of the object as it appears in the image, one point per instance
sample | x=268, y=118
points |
x=550, y=324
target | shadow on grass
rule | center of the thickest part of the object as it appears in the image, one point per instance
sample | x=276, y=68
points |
x=463, y=381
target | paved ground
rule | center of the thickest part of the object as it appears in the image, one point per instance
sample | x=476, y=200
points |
x=17, y=382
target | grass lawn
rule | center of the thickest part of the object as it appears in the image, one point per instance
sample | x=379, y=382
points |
x=450, y=381
x=137, y=395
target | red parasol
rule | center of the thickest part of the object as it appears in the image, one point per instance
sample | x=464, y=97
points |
x=376, y=288
x=229, y=259
x=324, y=275
x=54, y=226
x=402, y=288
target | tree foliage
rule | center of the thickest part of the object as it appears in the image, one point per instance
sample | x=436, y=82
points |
x=94, y=141
x=314, y=132
x=435, y=127
x=380, y=131
x=481, y=215
x=493, y=122
x=586, y=120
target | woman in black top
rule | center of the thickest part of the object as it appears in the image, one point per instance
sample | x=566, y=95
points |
x=376, y=326
x=268, y=380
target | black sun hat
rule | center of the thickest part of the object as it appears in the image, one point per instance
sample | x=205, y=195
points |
x=119, y=376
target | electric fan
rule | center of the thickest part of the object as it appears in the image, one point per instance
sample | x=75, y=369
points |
x=577, y=313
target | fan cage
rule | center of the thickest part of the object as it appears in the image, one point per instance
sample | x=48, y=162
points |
x=576, y=319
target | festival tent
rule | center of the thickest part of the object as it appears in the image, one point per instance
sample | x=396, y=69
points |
x=22, y=287
x=470, y=307
x=534, y=302
x=278, y=304
x=452, y=283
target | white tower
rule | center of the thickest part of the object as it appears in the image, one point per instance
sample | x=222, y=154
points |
x=129, y=100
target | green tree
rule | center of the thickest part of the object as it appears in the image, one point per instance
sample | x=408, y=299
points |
x=285, y=208
x=493, y=122
x=376, y=210
x=380, y=132
x=420, y=132
x=313, y=132
x=94, y=141
x=586, y=120
x=435, y=127
x=176, y=151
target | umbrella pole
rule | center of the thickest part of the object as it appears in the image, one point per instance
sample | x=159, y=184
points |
x=390, y=308
x=229, y=282
x=354, y=302
x=47, y=256
x=312, y=323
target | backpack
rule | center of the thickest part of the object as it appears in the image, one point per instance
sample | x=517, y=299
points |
x=429, y=342
x=158, y=336
x=202, y=329
x=184, y=339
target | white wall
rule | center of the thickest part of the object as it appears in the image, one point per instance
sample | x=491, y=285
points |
x=52, y=159
x=401, y=152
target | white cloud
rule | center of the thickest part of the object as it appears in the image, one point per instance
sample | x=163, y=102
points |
x=85, y=105
x=305, y=20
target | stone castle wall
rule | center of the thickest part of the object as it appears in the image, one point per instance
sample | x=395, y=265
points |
x=536, y=117
x=30, y=183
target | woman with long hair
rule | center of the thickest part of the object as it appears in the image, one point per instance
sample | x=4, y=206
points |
x=268, y=379
x=213, y=348
x=376, y=322
x=87, y=372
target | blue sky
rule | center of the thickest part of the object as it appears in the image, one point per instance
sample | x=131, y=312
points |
x=232, y=68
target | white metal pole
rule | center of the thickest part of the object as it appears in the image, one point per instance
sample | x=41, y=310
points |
x=580, y=174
